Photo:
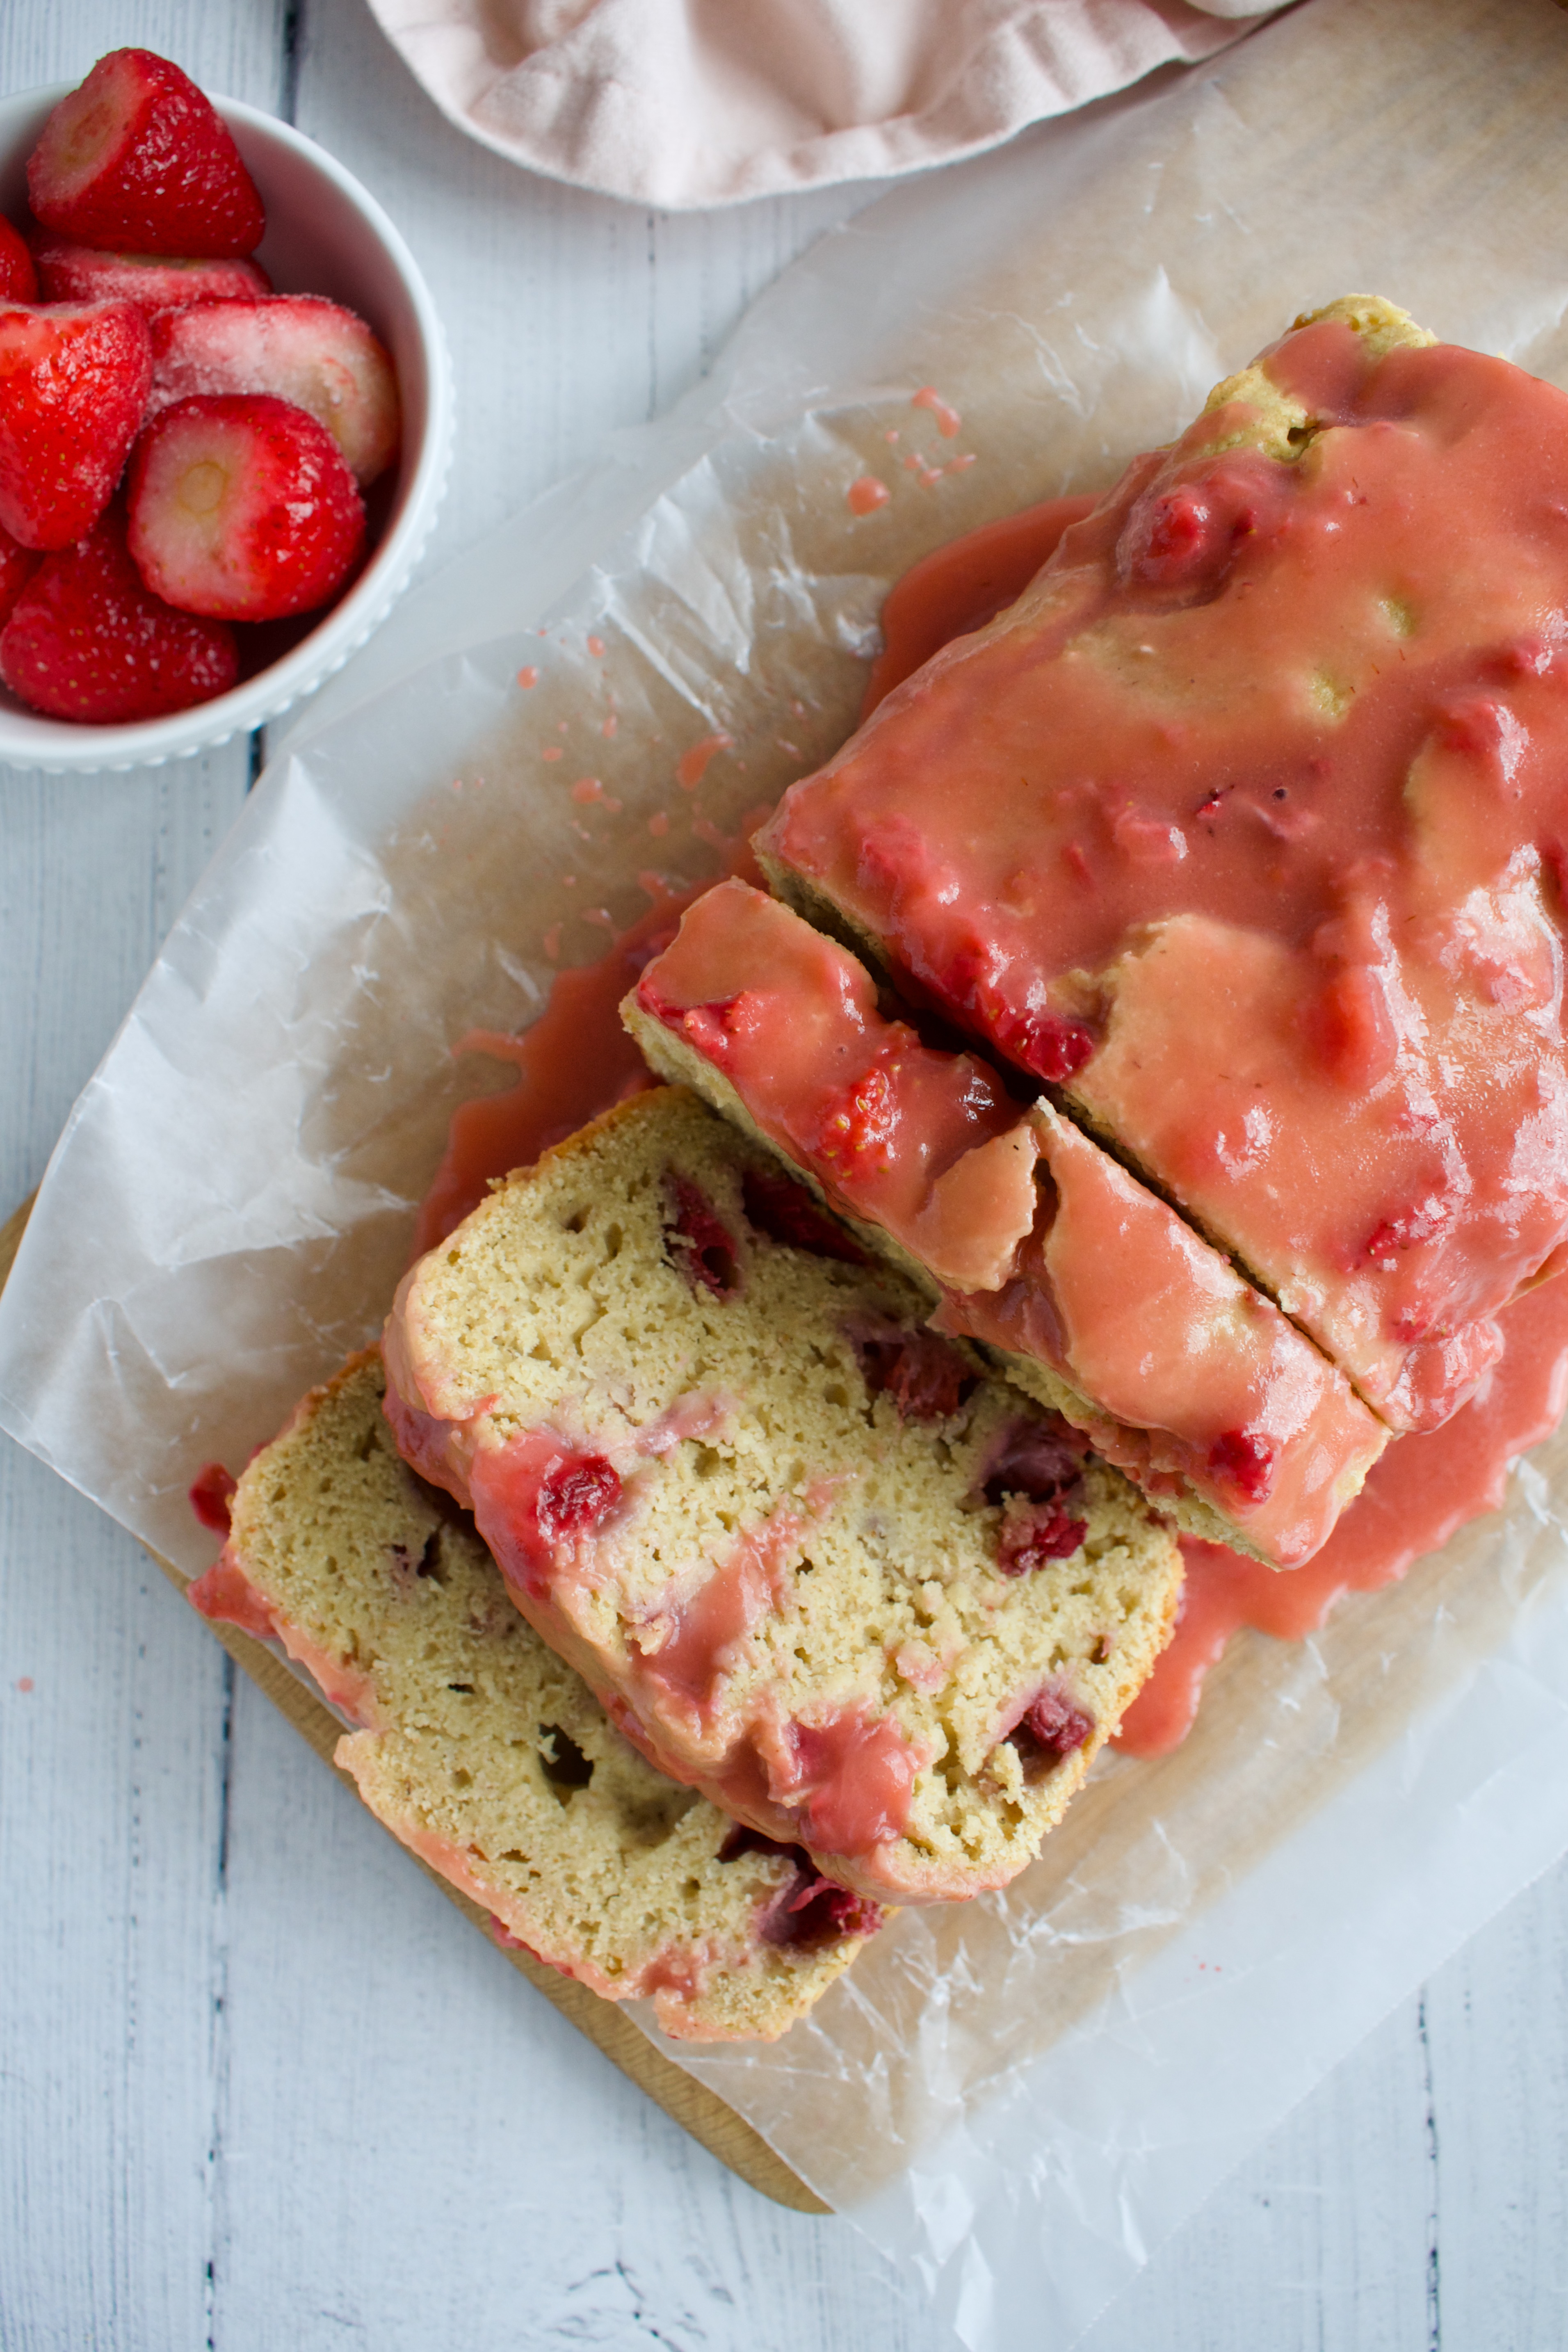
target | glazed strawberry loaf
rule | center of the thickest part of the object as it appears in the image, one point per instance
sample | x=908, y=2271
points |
x=1242, y=831
x=1093, y=1294
x=492, y=1760
x=811, y=1558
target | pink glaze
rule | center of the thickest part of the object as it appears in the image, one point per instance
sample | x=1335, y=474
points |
x=792, y=1022
x=1272, y=750
x=1188, y=1373
x=846, y=1779
x=956, y=589
x=224, y=1595
x=1195, y=1376
x=688, y=1651
x=693, y=766
x=866, y=494
x=1416, y=1497
x=948, y=419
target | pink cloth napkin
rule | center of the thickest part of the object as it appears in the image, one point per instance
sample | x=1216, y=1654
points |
x=687, y=102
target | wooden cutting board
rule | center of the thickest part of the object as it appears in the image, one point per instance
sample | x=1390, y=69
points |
x=692, y=2105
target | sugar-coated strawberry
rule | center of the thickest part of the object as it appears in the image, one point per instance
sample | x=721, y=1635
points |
x=18, y=277
x=242, y=506
x=17, y=565
x=136, y=161
x=73, y=387
x=88, y=641
x=300, y=347
x=153, y=281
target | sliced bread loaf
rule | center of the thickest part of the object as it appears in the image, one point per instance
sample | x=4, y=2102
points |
x=490, y=1759
x=1242, y=829
x=813, y=1560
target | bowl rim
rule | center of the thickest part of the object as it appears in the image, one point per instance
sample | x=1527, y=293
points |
x=58, y=746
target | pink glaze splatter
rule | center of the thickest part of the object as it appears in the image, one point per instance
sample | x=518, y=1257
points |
x=948, y=420
x=693, y=766
x=865, y=496
x=528, y=676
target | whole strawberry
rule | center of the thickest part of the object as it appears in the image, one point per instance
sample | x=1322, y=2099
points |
x=88, y=641
x=18, y=277
x=73, y=386
x=136, y=161
x=242, y=506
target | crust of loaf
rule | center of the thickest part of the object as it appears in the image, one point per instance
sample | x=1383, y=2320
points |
x=558, y=1304
x=490, y=1758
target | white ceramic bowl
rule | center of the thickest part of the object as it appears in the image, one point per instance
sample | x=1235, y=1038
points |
x=325, y=234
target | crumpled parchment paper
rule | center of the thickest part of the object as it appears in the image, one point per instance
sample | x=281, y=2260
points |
x=1020, y=2097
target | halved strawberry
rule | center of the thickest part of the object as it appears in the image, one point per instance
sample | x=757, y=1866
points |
x=242, y=506
x=17, y=565
x=153, y=281
x=73, y=386
x=300, y=347
x=87, y=641
x=19, y=278
x=136, y=161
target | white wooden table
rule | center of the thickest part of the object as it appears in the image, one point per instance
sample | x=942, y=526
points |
x=259, y=2086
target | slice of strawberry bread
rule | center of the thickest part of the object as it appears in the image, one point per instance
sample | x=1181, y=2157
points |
x=1099, y=1299
x=813, y=1560
x=488, y=1757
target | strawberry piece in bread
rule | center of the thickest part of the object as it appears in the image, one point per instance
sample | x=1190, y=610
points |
x=136, y=161
x=73, y=386
x=300, y=347
x=88, y=641
x=18, y=277
x=17, y=565
x=153, y=281
x=242, y=508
